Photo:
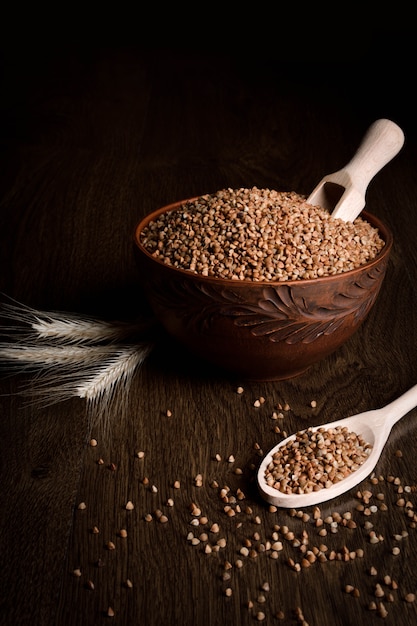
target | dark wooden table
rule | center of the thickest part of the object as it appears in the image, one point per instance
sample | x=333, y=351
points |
x=93, y=137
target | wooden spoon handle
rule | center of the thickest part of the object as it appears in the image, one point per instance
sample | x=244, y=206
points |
x=396, y=409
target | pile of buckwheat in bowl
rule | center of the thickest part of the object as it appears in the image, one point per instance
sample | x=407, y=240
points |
x=261, y=235
x=259, y=282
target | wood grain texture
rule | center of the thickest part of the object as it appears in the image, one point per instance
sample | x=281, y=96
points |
x=92, y=140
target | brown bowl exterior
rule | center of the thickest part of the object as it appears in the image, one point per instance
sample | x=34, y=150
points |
x=261, y=330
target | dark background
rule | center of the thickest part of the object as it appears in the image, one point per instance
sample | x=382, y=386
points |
x=99, y=126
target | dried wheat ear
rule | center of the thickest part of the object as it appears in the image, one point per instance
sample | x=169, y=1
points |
x=72, y=355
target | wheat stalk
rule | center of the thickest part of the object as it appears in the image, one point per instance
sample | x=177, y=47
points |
x=95, y=380
x=81, y=330
x=69, y=327
x=104, y=386
x=54, y=355
x=74, y=356
x=103, y=383
x=117, y=372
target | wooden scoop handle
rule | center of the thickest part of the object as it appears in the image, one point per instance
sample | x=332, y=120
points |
x=383, y=140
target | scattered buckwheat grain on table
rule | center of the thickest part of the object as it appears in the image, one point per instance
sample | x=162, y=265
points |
x=314, y=460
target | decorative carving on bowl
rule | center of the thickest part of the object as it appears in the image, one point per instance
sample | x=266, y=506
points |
x=282, y=313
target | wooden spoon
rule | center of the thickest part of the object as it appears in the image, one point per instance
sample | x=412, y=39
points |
x=343, y=192
x=374, y=426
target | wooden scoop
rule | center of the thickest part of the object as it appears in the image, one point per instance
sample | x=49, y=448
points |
x=343, y=192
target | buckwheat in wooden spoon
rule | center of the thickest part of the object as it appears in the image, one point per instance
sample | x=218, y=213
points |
x=343, y=192
x=322, y=462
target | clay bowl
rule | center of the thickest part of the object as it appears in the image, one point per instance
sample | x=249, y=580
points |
x=260, y=330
